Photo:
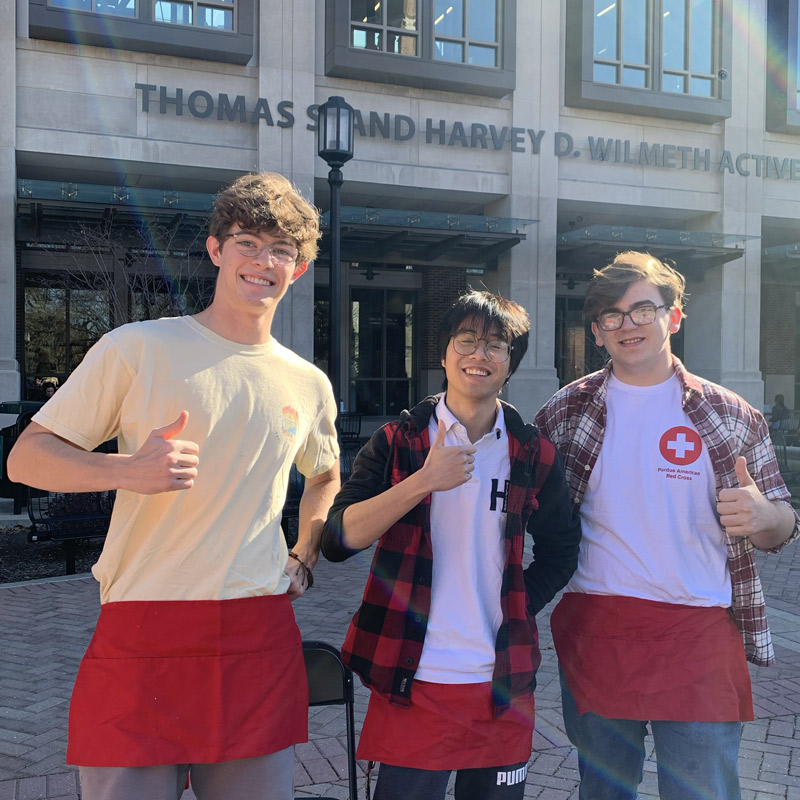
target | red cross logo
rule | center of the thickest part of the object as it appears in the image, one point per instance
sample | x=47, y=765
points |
x=681, y=446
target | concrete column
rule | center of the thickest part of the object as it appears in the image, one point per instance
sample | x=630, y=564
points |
x=528, y=274
x=9, y=369
x=286, y=71
x=723, y=332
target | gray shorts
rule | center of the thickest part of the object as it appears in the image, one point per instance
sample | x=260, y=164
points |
x=269, y=777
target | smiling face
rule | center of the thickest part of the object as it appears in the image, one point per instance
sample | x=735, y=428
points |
x=640, y=354
x=252, y=286
x=473, y=379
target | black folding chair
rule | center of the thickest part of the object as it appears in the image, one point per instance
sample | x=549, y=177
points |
x=330, y=683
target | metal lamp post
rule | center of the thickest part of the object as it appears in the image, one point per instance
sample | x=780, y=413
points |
x=335, y=145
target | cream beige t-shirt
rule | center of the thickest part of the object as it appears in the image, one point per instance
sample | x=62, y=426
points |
x=253, y=410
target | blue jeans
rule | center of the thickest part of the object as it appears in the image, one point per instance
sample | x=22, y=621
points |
x=695, y=760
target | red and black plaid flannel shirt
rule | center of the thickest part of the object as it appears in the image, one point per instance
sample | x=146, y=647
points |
x=575, y=420
x=385, y=638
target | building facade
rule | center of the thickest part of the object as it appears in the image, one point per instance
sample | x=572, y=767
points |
x=516, y=144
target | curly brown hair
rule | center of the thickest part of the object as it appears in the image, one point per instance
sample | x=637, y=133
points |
x=268, y=202
x=611, y=282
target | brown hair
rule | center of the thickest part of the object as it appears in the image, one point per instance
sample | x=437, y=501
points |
x=268, y=202
x=611, y=282
x=491, y=311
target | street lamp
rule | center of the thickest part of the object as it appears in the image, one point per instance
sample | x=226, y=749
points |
x=335, y=145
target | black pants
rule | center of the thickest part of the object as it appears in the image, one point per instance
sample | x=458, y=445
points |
x=486, y=783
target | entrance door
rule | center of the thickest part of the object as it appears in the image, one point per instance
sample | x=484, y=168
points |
x=383, y=364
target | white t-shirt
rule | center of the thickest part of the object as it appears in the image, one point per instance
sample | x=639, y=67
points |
x=650, y=528
x=253, y=411
x=467, y=530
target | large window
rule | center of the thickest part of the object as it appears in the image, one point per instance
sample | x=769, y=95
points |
x=456, y=45
x=213, y=30
x=666, y=58
x=783, y=60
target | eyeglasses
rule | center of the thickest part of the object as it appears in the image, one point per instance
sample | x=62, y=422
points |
x=641, y=315
x=465, y=344
x=251, y=246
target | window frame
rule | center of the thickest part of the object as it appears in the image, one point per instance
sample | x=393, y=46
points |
x=783, y=54
x=423, y=70
x=582, y=91
x=230, y=5
x=144, y=35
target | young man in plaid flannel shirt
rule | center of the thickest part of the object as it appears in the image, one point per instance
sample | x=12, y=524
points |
x=445, y=636
x=677, y=482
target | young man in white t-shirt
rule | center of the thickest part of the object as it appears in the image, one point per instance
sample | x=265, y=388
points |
x=445, y=637
x=677, y=482
x=193, y=666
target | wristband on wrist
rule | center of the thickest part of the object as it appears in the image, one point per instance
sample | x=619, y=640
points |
x=309, y=576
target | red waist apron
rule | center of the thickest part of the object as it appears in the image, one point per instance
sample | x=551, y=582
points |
x=447, y=726
x=626, y=658
x=189, y=682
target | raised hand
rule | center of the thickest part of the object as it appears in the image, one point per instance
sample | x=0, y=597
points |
x=745, y=511
x=447, y=466
x=163, y=463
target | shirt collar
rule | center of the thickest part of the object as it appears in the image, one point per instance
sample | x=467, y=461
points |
x=443, y=413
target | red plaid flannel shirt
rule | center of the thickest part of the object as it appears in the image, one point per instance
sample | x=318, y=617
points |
x=575, y=419
x=385, y=638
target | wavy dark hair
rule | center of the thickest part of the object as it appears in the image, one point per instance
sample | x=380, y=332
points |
x=488, y=311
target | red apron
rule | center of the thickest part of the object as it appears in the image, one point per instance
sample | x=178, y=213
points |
x=179, y=682
x=626, y=658
x=447, y=726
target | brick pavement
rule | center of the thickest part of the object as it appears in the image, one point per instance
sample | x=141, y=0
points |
x=46, y=626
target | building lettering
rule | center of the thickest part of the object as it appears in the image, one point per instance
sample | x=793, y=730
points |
x=469, y=134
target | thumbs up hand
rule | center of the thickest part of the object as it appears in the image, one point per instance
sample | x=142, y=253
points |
x=447, y=466
x=163, y=463
x=745, y=511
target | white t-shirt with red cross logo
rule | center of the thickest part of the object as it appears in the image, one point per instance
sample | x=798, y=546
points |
x=650, y=528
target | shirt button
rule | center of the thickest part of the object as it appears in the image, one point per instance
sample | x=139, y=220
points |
x=409, y=662
x=586, y=467
x=417, y=617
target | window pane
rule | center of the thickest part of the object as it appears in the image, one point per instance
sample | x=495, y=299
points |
x=449, y=19
x=673, y=83
x=177, y=13
x=89, y=318
x=45, y=330
x=449, y=51
x=402, y=14
x=366, y=39
x=398, y=397
x=702, y=40
x=122, y=8
x=483, y=20
x=403, y=45
x=367, y=321
x=399, y=334
x=674, y=29
x=702, y=86
x=634, y=77
x=220, y=18
x=605, y=30
x=366, y=11
x=78, y=5
x=368, y=397
x=634, y=31
x=605, y=73
x=482, y=56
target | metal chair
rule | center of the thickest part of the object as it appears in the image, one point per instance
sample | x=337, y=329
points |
x=330, y=683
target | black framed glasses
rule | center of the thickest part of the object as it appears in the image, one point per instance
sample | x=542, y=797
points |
x=641, y=315
x=497, y=350
x=251, y=246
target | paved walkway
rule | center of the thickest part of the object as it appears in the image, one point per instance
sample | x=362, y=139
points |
x=46, y=626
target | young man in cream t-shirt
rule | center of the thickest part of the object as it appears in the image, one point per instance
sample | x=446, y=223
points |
x=194, y=662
